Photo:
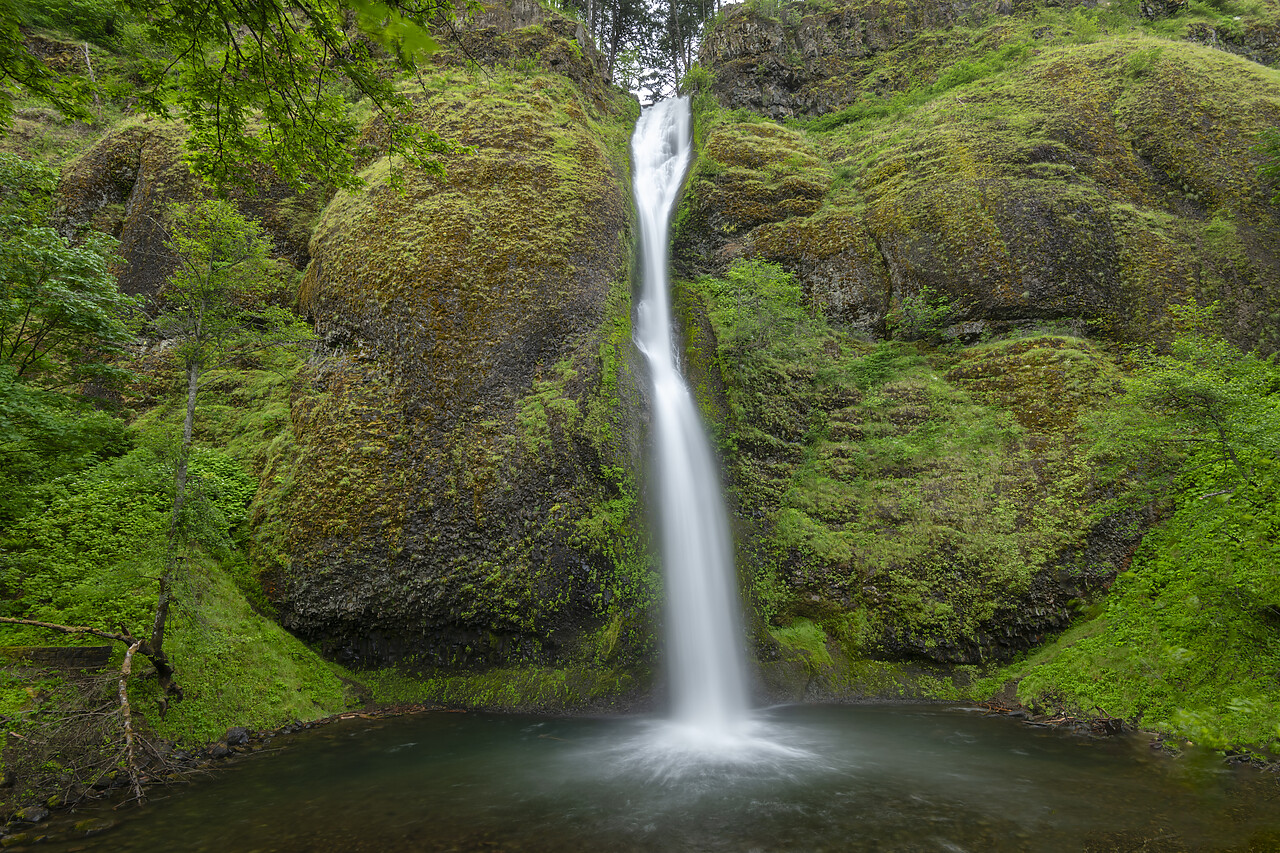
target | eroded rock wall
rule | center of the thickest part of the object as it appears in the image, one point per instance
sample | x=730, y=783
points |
x=125, y=182
x=1033, y=173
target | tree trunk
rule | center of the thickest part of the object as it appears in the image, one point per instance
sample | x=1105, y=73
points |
x=176, y=549
x=677, y=39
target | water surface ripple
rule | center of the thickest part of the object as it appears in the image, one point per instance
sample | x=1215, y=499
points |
x=860, y=778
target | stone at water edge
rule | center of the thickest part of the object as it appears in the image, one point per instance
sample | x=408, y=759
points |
x=31, y=814
x=94, y=825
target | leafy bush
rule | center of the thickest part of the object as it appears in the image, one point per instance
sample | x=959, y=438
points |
x=62, y=315
x=91, y=555
x=1188, y=641
x=225, y=486
x=1204, y=399
x=44, y=435
x=920, y=316
x=697, y=79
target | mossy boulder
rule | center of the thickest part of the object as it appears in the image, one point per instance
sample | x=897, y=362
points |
x=124, y=182
x=911, y=503
x=522, y=34
x=121, y=185
x=806, y=58
x=456, y=493
x=1090, y=185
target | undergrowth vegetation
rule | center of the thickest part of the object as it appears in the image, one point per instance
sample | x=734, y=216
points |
x=87, y=545
x=906, y=508
x=1188, y=639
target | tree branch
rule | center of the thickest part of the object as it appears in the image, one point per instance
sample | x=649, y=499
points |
x=127, y=639
x=126, y=719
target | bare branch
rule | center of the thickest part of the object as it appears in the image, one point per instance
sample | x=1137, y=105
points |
x=70, y=629
x=126, y=719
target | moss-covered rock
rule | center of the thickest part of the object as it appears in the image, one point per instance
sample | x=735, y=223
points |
x=124, y=183
x=1085, y=184
x=795, y=59
x=523, y=34
x=456, y=493
x=811, y=57
x=910, y=504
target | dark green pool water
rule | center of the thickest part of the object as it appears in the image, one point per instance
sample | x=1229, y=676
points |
x=900, y=778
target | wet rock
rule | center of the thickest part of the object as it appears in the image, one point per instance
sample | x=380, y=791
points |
x=1153, y=9
x=94, y=825
x=219, y=750
x=468, y=328
x=237, y=736
x=804, y=63
x=1127, y=196
x=31, y=814
x=124, y=183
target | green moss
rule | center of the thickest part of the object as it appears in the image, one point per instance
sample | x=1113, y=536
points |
x=804, y=636
x=921, y=491
x=1186, y=641
x=506, y=689
x=962, y=144
x=237, y=668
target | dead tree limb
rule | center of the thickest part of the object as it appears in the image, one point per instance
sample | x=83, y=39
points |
x=133, y=646
x=127, y=639
x=126, y=720
x=164, y=669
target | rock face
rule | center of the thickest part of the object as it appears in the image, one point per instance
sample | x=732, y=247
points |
x=1013, y=165
x=1089, y=186
x=807, y=62
x=121, y=186
x=125, y=182
x=456, y=492
x=525, y=30
x=806, y=59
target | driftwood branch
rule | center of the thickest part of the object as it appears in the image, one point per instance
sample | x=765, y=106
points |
x=133, y=646
x=164, y=669
x=126, y=720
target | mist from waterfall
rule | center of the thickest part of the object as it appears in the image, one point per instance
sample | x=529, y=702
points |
x=703, y=631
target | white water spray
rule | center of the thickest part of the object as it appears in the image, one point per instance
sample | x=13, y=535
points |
x=704, y=638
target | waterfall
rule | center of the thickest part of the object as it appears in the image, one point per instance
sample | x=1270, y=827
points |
x=703, y=633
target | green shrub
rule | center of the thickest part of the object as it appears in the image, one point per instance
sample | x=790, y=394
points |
x=95, y=20
x=920, y=316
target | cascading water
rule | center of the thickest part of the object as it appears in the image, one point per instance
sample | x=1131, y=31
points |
x=704, y=640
